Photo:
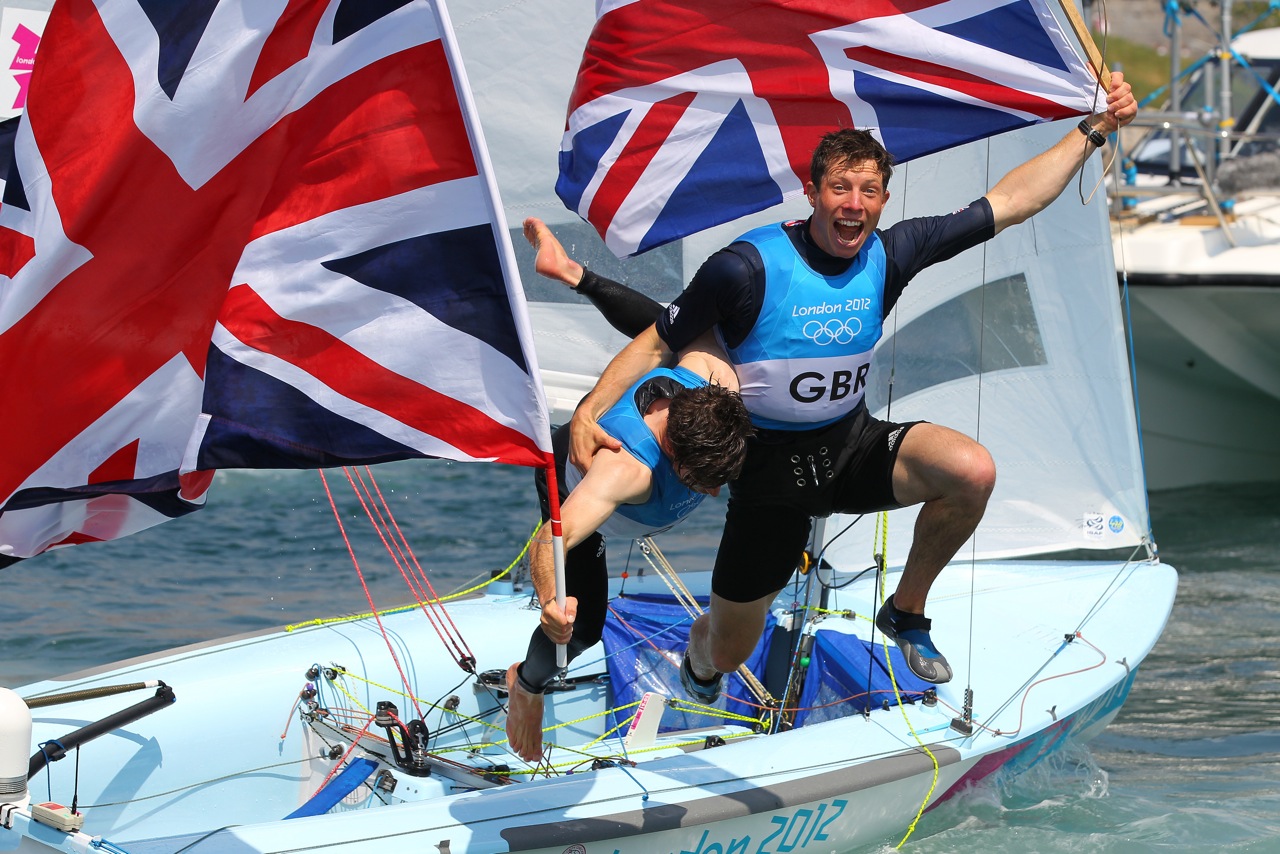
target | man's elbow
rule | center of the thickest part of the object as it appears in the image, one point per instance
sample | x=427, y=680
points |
x=1009, y=212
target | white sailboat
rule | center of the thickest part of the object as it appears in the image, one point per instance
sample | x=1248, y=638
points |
x=390, y=746
x=1198, y=243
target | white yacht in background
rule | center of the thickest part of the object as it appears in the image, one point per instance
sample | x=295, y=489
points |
x=1198, y=241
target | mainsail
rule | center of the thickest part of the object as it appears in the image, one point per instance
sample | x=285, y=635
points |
x=1019, y=343
x=245, y=235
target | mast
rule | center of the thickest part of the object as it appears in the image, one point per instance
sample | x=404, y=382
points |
x=1175, y=97
x=1227, y=116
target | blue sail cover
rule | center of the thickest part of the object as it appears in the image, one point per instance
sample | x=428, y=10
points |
x=645, y=638
x=838, y=684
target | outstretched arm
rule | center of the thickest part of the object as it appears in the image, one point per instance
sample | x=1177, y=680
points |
x=617, y=478
x=645, y=352
x=1030, y=188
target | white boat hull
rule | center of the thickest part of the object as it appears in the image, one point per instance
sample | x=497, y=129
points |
x=1206, y=418
x=1206, y=340
x=215, y=767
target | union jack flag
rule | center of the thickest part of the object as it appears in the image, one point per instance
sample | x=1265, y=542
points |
x=691, y=113
x=247, y=233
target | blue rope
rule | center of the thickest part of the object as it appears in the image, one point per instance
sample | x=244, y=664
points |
x=1262, y=82
x=1195, y=66
x=1208, y=26
x=627, y=771
x=1272, y=8
x=48, y=760
x=1171, y=17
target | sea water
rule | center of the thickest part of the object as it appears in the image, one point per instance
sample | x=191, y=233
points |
x=1189, y=764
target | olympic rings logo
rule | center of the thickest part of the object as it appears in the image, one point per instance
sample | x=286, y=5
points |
x=835, y=331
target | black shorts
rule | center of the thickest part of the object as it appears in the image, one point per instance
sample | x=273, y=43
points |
x=790, y=476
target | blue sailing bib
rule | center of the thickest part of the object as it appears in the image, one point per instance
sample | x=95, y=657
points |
x=669, y=500
x=805, y=362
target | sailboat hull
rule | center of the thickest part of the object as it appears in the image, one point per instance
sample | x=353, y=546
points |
x=238, y=751
x=1208, y=370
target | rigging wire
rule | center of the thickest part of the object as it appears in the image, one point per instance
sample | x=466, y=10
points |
x=467, y=591
x=672, y=579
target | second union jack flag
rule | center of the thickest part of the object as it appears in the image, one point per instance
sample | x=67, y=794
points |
x=691, y=113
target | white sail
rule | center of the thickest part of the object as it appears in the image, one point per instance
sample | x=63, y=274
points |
x=1054, y=401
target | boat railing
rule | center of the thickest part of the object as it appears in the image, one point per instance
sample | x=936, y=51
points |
x=1200, y=136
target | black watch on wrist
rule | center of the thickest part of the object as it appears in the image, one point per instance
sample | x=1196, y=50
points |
x=1096, y=137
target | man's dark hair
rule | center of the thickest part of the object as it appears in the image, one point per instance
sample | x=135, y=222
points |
x=707, y=431
x=848, y=146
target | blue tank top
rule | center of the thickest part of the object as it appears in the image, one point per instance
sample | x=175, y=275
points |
x=669, y=499
x=805, y=362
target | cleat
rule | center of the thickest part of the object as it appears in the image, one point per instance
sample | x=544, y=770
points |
x=911, y=633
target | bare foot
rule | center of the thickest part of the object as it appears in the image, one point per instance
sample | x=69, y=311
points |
x=552, y=261
x=524, y=719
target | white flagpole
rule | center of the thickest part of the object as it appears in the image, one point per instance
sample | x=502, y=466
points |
x=515, y=291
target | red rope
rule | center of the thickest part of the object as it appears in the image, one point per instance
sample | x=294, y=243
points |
x=446, y=637
x=343, y=760
x=434, y=601
x=404, y=680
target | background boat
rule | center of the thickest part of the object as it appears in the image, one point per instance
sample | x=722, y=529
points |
x=1196, y=221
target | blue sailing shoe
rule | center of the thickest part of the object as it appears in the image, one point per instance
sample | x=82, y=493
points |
x=705, y=692
x=911, y=633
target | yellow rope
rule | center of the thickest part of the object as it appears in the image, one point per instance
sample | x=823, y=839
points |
x=842, y=612
x=676, y=704
x=583, y=755
x=342, y=688
x=882, y=549
x=689, y=707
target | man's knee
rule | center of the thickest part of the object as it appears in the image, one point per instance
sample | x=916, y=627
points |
x=940, y=463
x=978, y=472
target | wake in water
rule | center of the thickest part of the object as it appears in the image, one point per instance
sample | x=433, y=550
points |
x=1030, y=811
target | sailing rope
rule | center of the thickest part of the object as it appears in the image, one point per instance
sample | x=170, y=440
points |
x=402, y=555
x=1025, y=689
x=363, y=583
x=671, y=578
x=882, y=548
x=351, y=618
